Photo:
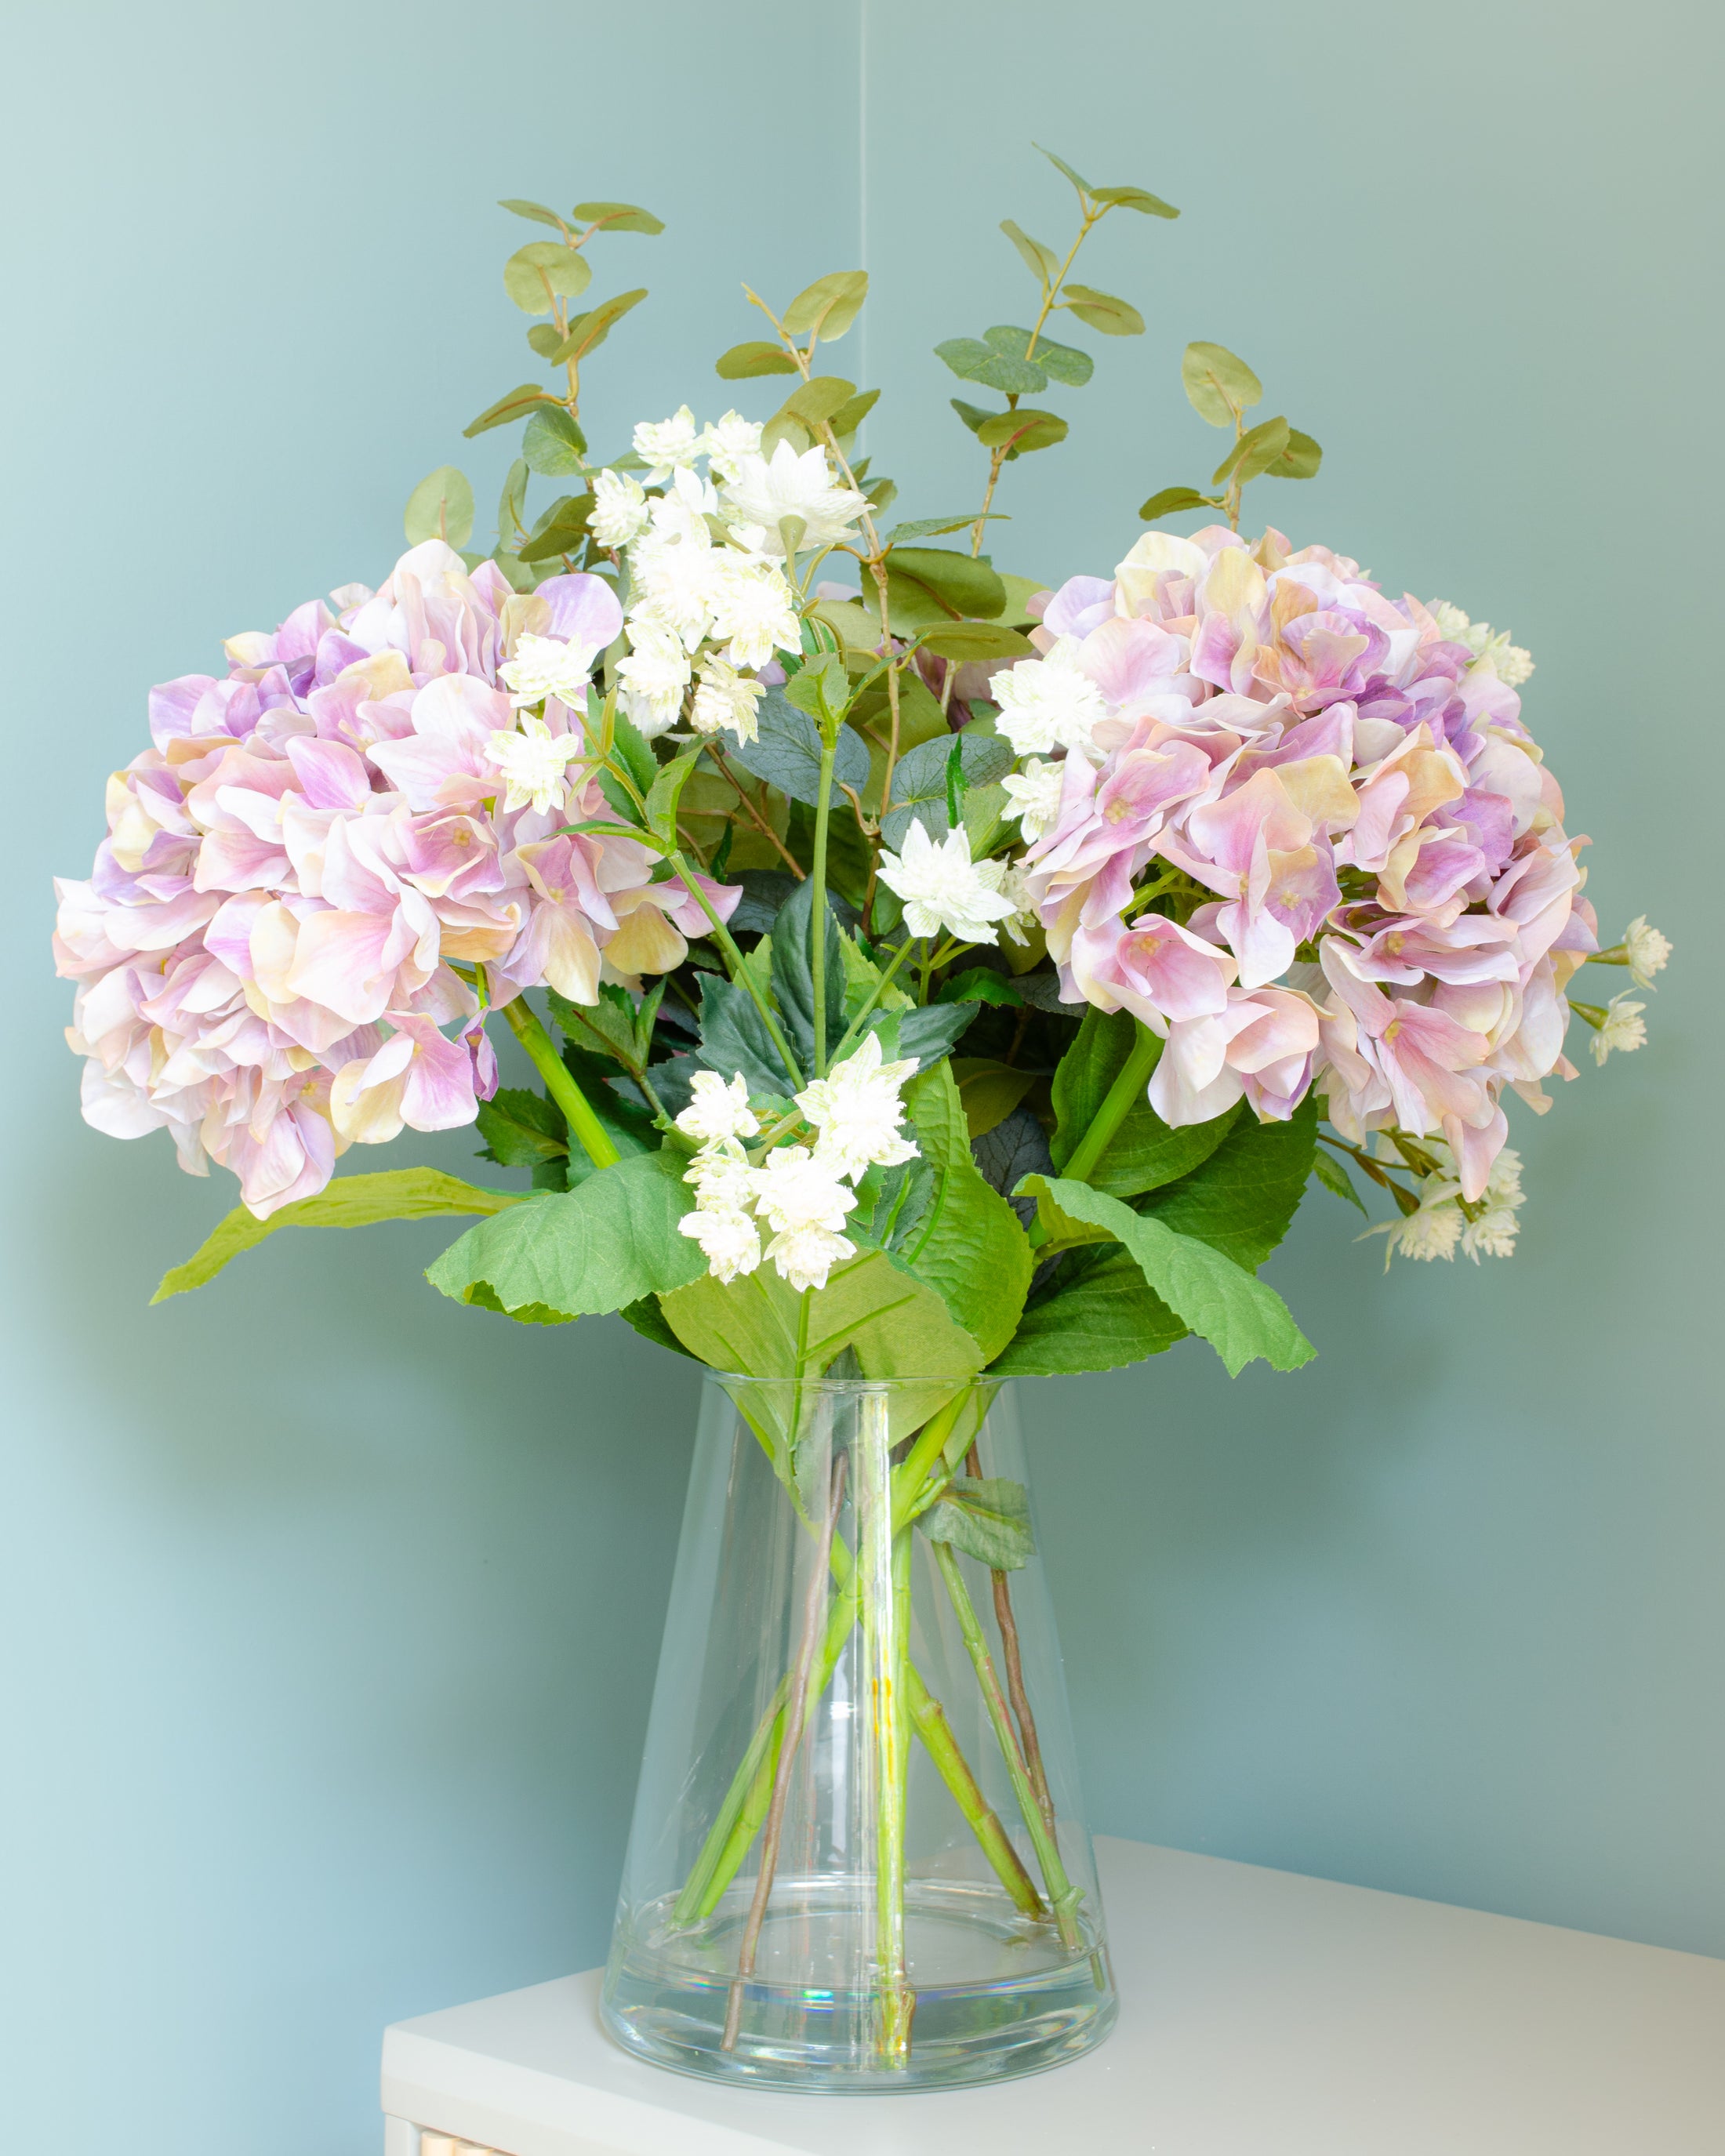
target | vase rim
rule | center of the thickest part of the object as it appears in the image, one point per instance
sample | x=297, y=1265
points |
x=994, y=1378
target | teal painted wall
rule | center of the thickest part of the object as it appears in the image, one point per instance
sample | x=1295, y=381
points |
x=328, y=1613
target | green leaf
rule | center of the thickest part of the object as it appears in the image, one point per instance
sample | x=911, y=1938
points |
x=828, y=306
x=848, y=417
x=609, y=1027
x=919, y=781
x=517, y=405
x=553, y=445
x=966, y=1244
x=1243, y=1199
x=990, y=1090
x=974, y=416
x=985, y=986
x=973, y=361
x=633, y=751
x=818, y=399
x=351, y=1201
x=608, y=1243
x=1101, y=311
x=1219, y=385
x=1108, y=1316
x=537, y=211
x=666, y=791
x=1066, y=363
x=1042, y=262
x=1300, y=458
x=786, y=751
x=1173, y=499
x=545, y=337
x=1144, y=1152
x=988, y=1519
x=1335, y=1177
x=734, y=1040
x=930, y=1031
x=648, y=1320
x=512, y=506
x=1241, y=1317
x=821, y=687
x=961, y=583
x=440, y=507
x=543, y=271
x=1137, y=198
x=1020, y=432
x=932, y=527
x=744, y=360
x=1060, y=164
x=521, y=1129
x=589, y=331
x=619, y=217
x=966, y=640
x=562, y=530
x=793, y=972
x=1255, y=449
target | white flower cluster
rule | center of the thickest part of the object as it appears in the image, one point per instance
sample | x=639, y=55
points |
x=1049, y=703
x=1440, y=1228
x=1623, y=1030
x=1646, y=951
x=804, y=1194
x=945, y=891
x=704, y=564
x=1510, y=662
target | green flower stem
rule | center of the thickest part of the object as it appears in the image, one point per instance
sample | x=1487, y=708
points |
x=883, y=1605
x=1061, y=1893
x=583, y=1124
x=818, y=913
x=874, y=996
x=739, y=969
x=1134, y=1075
x=932, y=1725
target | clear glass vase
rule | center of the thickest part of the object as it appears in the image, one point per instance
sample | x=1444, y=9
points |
x=858, y=1860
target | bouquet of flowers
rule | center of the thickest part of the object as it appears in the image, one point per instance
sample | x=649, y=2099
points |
x=939, y=970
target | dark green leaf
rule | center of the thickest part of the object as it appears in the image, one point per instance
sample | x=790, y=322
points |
x=986, y=1519
x=543, y=271
x=1137, y=198
x=536, y=211
x=1335, y=1177
x=1103, y=1317
x=440, y=507
x=1299, y=459
x=744, y=360
x=787, y=752
x=517, y=405
x=605, y=1028
x=919, y=781
x=609, y=1243
x=1042, y=262
x=982, y=986
x=553, y=445
x=521, y=1129
x=351, y=1201
x=1173, y=499
x=794, y=973
x=1102, y=310
x=1240, y=1316
x=1243, y=1199
x=1219, y=385
x=827, y=307
x=976, y=417
x=973, y=361
x=619, y=217
x=932, y=1030
x=648, y=1320
x=966, y=640
x=733, y=1039
x=961, y=583
x=1066, y=363
x=1144, y=1152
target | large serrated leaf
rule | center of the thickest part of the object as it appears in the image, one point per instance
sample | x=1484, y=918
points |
x=967, y=1244
x=1243, y=1199
x=986, y=1518
x=786, y=751
x=1103, y=1315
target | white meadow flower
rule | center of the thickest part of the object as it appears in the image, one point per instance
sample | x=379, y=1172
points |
x=534, y=764
x=1010, y=880
x=1646, y=950
x=1048, y=703
x=727, y=442
x=546, y=666
x=858, y=1112
x=941, y=889
x=729, y=1240
x=1432, y=1232
x=668, y=445
x=1493, y=1233
x=619, y=509
x=798, y=1190
x=753, y=612
x=715, y=1111
x=654, y=675
x=764, y=492
x=726, y=698
x=1034, y=795
x=804, y=1257
x=1508, y=661
x=1623, y=1030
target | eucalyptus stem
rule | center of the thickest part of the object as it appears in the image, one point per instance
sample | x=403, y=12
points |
x=817, y=911
x=1061, y=1893
x=583, y=1124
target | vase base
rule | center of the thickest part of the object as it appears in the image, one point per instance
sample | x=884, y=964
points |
x=995, y=1994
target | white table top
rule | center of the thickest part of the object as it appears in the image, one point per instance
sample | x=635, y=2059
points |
x=1262, y=2015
